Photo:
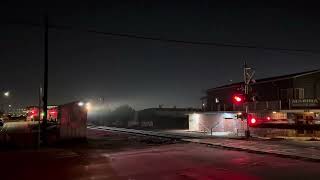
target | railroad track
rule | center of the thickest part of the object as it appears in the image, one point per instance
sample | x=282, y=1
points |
x=142, y=132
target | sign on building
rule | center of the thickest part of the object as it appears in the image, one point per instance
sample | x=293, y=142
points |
x=313, y=103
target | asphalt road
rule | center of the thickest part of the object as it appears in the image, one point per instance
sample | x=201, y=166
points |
x=120, y=156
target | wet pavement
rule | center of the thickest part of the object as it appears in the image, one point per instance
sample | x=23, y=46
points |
x=291, y=149
x=109, y=155
x=298, y=149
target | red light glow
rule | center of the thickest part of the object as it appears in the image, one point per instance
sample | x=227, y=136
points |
x=268, y=118
x=238, y=99
x=253, y=120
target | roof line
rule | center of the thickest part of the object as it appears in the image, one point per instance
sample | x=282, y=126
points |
x=270, y=79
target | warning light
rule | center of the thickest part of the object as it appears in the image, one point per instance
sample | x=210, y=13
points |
x=253, y=120
x=268, y=118
x=238, y=98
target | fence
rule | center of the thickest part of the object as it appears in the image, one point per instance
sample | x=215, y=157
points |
x=259, y=105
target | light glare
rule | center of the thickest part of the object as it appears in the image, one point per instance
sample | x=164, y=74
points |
x=7, y=94
x=88, y=105
x=253, y=120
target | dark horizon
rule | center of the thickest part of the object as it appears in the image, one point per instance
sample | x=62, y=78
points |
x=146, y=73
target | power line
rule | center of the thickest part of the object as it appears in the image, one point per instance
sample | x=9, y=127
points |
x=186, y=42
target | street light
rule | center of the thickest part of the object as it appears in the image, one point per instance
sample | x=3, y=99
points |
x=6, y=94
x=80, y=103
x=88, y=105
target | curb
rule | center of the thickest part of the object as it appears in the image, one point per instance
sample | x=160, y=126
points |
x=291, y=156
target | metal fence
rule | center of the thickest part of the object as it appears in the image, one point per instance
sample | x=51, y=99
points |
x=260, y=105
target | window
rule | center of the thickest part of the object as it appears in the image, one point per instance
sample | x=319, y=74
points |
x=283, y=93
x=286, y=93
x=298, y=93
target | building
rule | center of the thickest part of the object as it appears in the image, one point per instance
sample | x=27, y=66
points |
x=162, y=118
x=287, y=105
x=293, y=91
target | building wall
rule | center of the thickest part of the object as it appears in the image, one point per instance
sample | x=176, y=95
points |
x=226, y=122
x=311, y=85
x=270, y=91
x=163, y=118
x=223, y=96
x=266, y=91
x=215, y=122
x=72, y=121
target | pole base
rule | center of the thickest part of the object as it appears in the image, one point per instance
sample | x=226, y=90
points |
x=247, y=133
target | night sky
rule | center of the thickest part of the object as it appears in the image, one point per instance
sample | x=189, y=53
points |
x=146, y=73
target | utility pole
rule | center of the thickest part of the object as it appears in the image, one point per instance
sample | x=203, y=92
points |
x=248, y=74
x=39, y=114
x=45, y=81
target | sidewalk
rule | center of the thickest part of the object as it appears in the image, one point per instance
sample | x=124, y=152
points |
x=306, y=150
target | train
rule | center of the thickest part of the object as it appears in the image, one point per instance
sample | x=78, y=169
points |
x=33, y=113
x=69, y=120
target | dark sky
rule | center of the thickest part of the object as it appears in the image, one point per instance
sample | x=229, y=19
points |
x=146, y=73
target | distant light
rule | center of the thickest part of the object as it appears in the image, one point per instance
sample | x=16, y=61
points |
x=268, y=118
x=274, y=112
x=253, y=120
x=217, y=100
x=203, y=104
x=239, y=113
x=10, y=106
x=88, y=105
x=7, y=94
x=80, y=103
x=311, y=112
x=228, y=115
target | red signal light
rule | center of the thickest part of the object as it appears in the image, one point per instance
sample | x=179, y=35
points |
x=238, y=98
x=268, y=118
x=34, y=111
x=253, y=120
